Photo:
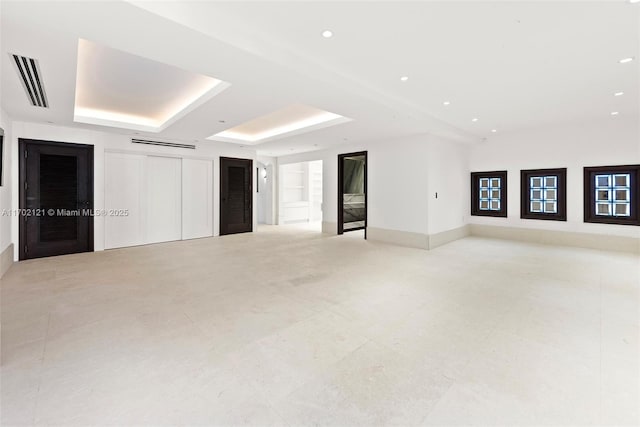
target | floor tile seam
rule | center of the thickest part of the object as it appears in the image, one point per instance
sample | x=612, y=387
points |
x=40, y=377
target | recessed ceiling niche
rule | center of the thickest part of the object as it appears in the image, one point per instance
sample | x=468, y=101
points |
x=119, y=89
x=288, y=121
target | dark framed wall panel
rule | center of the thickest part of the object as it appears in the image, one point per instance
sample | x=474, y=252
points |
x=489, y=193
x=360, y=210
x=611, y=194
x=543, y=194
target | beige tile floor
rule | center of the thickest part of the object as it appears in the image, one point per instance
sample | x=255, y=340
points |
x=287, y=327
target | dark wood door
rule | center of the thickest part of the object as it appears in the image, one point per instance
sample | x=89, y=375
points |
x=236, y=196
x=56, y=198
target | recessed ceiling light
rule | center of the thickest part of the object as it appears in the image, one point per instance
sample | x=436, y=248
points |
x=634, y=1
x=446, y=103
x=619, y=93
x=475, y=119
x=625, y=60
x=327, y=34
x=222, y=121
x=614, y=113
x=404, y=78
x=494, y=130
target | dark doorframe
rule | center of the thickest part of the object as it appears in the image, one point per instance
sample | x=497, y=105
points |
x=341, y=158
x=57, y=217
x=236, y=195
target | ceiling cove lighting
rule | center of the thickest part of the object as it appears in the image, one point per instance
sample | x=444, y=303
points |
x=327, y=34
x=111, y=86
x=626, y=60
x=619, y=93
x=404, y=78
x=292, y=120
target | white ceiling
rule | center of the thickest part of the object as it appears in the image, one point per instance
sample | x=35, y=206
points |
x=513, y=65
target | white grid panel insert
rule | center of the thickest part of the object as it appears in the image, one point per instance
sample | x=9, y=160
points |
x=490, y=193
x=613, y=194
x=543, y=194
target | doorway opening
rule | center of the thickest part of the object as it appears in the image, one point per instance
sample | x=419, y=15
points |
x=56, y=195
x=352, y=192
x=236, y=195
x=265, y=192
x=300, y=195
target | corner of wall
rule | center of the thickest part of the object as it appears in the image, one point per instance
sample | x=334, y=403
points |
x=444, y=237
x=6, y=191
x=329, y=227
x=399, y=238
x=6, y=259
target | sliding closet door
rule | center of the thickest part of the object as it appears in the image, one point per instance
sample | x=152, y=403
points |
x=197, y=198
x=125, y=177
x=164, y=199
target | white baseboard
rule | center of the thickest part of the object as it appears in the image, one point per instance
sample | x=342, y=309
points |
x=444, y=237
x=400, y=238
x=416, y=240
x=563, y=238
x=6, y=259
x=329, y=227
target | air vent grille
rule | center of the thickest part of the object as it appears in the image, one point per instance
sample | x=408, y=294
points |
x=29, y=72
x=163, y=144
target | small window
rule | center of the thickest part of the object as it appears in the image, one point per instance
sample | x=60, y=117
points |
x=611, y=194
x=543, y=194
x=489, y=193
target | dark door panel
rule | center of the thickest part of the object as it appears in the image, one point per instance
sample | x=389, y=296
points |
x=236, y=196
x=56, y=197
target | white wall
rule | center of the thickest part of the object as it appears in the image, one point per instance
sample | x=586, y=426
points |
x=7, y=182
x=614, y=141
x=448, y=176
x=118, y=143
x=315, y=191
x=400, y=193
